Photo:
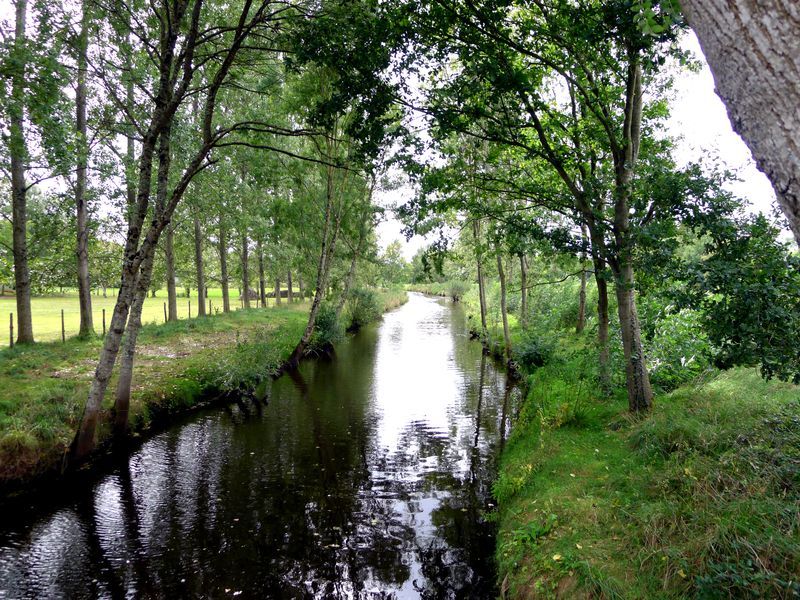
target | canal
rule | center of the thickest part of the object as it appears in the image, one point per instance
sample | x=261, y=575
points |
x=366, y=475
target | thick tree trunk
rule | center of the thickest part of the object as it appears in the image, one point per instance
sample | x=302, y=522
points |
x=262, y=284
x=289, y=287
x=503, y=308
x=523, y=278
x=18, y=152
x=277, y=291
x=640, y=394
x=198, y=265
x=122, y=396
x=245, y=270
x=81, y=212
x=753, y=49
x=172, y=292
x=223, y=266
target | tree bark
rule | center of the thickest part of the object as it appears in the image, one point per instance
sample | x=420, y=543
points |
x=262, y=284
x=503, y=308
x=198, y=265
x=223, y=265
x=277, y=291
x=245, y=270
x=172, y=292
x=753, y=49
x=582, y=294
x=604, y=353
x=81, y=211
x=301, y=288
x=18, y=152
x=523, y=278
x=289, y=286
x=476, y=230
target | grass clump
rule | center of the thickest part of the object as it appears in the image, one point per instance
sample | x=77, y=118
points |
x=698, y=500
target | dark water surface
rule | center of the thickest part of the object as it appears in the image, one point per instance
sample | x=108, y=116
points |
x=366, y=476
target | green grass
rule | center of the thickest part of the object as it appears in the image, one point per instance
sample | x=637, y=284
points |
x=47, y=311
x=43, y=386
x=698, y=500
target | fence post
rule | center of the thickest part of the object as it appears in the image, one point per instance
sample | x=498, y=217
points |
x=190, y=309
x=165, y=312
x=11, y=328
x=209, y=307
x=104, y=322
x=63, y=333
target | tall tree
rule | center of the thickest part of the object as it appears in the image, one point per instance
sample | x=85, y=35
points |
x=753, y=49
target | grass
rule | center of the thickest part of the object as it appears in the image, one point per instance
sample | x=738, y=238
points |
x=178, y=364
x=698, y=500
x=47, y=311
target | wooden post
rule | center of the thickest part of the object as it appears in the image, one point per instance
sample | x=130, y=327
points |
x=190, y=309
x=165, y=312
x=11, y=328
x=104, y=322
x=209, y=307
x=63, y=333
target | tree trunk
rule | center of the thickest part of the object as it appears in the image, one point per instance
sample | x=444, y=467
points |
x=245, y=271
x=640, y=394
x=289, y=286
x=172, y=292
x=330, y=233
x=523, y=278
x=198, y=264
x=18, y=153
x=81, y=212
x=223, y=266
x=503, y=309
x=476, y=230
x=262, y=284
x=753, y=49
x=582, y=294
x=122, y=396
x=604, y=353
x=302, y=289
x=277, y=292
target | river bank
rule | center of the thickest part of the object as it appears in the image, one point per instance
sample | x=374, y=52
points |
x=698, y=499
x=179, y=366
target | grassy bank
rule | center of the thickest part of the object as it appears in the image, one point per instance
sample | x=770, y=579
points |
x=43, y=387
x=46, y=311
x=698, y=500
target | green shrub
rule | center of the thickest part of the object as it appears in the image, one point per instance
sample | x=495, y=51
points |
x=533, y=351
x=363, y=306
x=457, y=289
x=328, y=329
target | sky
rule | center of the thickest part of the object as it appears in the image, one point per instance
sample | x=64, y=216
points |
x=698, y=121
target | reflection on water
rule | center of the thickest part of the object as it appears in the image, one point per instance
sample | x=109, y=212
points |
x=366, y=476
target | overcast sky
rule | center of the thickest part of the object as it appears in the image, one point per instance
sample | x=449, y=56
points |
x=699, y=122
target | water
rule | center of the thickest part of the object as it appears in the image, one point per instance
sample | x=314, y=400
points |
x=366, y=476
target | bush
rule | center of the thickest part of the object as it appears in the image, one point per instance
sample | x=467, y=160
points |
x=679, y=350
x=328, y=329
x=533, y=351
x=457, y=289
x=363, y=306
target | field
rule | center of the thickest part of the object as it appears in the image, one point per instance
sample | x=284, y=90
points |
x=47, y=311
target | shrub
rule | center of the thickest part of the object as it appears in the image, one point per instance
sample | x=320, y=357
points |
x=457, y=289
x=363, y=306
x=328, y=329
x=533, y=351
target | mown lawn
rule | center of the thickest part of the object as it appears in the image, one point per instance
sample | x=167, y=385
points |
x=47, y=311
x=701, y=499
